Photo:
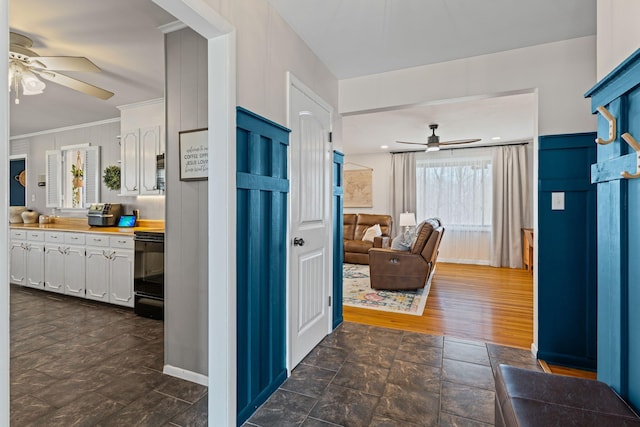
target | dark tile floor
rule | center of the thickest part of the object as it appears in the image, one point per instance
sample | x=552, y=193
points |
x=74, y=362
x=368, y=376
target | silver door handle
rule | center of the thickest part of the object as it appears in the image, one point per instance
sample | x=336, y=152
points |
x=298, y=241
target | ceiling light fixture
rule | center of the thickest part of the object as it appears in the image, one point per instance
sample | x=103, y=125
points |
x=496, y=138
x=384, y=147
x=21, y=76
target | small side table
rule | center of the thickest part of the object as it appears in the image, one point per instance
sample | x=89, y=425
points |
x=527, y=248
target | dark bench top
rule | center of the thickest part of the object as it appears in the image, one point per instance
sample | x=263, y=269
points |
x=530, y=398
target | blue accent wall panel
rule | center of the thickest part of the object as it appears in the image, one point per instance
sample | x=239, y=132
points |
x=619, y=232
x=567, y=267
x=338, y=219
x=261, y=197
x=16, y=190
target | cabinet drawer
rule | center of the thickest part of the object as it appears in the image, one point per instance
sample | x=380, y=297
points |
x=97, y=240
x=18, y=235
x=36, y=236
x=74, y=238
x=54, y=237
x=121, y=242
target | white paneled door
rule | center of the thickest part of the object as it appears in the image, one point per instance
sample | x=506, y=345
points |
x=310, y=227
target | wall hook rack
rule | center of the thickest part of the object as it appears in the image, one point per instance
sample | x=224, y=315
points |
x=636, y=147
x=612, y=126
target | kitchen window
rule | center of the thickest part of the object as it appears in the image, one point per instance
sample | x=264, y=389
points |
x=73, y=176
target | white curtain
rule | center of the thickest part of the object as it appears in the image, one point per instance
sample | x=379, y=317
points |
x=510, y=207
x=403, y=186
x=455, y=186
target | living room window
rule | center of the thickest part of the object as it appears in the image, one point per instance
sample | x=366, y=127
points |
x=456, y=186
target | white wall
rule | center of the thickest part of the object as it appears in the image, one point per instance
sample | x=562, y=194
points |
x=267, y=47
x=105, y=135
x=618, y=32
x=381, y=180
x=560, y=72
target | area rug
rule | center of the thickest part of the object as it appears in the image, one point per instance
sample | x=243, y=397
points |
x=357, y=292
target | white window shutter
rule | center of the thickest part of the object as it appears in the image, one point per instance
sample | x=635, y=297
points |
x=92, y=173
x=53, y=171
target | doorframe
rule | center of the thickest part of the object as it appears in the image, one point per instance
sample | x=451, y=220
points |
x=221, y=37
x=4, y=217
x=293, y=81
x=221, y=104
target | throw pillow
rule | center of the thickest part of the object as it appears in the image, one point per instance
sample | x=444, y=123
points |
x=373, y=231
x=415, y=235
x=399, y=243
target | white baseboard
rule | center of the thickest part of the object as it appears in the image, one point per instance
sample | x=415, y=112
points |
x=534, y=350
x=183, y=374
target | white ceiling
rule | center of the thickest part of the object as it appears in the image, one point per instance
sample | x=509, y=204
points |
x=508, y=117
x=360, y=37
x=352, y=37
x=119, y=36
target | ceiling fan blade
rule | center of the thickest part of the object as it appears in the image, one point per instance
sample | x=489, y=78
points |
x=461, y=141
x=65, y=63
x=75, y=84
x=412, y=143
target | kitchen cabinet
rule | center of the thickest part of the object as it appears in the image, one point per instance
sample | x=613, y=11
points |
x=94, y=266
x=109, y=269
x=97, y=273
x=27, y=258
x=74, y=264
x=18, y=257
x=64, y=263
x=141, y=142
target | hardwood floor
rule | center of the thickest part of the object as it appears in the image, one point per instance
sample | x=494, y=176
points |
x=467, y=301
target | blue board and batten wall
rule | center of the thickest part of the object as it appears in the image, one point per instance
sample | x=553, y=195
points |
x=338, y=221
x=567, y=265
x=618, y=216
x=262, y=188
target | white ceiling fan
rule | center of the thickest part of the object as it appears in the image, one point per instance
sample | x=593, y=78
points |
x=433, y=142
x=25, y=66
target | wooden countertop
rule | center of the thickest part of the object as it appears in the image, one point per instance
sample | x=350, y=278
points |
x=80, y=225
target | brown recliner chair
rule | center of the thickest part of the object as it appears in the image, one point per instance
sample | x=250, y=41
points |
x=356, y=250
x=413, y=269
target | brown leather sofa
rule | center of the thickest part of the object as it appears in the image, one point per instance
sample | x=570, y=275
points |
x=536, y=399
x=394, y=270
x=356, y=250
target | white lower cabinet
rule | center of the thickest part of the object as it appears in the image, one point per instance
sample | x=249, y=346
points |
x=18, y=262
x=54, y=268
x=110, y=270
x=35, y=265
x=27, y=258
x=93, y=266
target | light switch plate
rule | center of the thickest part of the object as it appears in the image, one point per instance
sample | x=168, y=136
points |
x=557, y=201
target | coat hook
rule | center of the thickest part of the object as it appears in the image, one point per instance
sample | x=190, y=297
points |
x=636, y=147
x=612, y=126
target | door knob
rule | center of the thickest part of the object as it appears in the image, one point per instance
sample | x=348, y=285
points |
x=298, y=241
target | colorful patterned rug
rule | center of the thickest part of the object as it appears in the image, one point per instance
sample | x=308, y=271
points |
x=357, y=292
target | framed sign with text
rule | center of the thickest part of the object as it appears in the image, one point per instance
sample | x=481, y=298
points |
x=194, y=155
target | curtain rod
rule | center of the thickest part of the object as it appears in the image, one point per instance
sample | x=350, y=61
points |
x=465, y=148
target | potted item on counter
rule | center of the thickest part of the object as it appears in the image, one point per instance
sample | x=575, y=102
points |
x=30, y=216
x=15, y=214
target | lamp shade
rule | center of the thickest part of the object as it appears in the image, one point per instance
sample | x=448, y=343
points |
x=407, y=219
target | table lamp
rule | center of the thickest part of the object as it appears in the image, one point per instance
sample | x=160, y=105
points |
x=407, y=220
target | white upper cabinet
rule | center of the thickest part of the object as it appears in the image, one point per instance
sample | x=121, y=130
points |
x=141, y=141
